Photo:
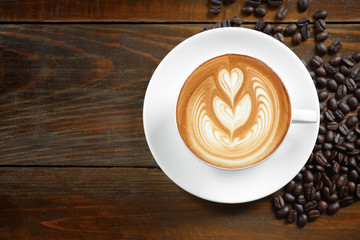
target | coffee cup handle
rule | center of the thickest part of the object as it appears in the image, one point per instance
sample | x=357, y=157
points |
x=304, y=116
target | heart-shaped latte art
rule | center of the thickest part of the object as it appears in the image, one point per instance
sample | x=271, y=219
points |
x=228, y=111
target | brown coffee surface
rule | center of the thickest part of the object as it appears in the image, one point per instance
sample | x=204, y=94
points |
x=233, y=111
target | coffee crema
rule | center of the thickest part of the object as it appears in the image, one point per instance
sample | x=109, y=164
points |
x=233, y=111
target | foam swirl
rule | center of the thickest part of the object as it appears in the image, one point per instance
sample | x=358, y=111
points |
x=229, y=109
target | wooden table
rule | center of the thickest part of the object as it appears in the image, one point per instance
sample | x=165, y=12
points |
x=74, y=163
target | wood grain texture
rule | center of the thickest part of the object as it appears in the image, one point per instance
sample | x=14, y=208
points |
x=159, y=10
x=115, y=203
x=73, y=94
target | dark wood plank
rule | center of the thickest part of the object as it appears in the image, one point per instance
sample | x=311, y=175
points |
x=115, y=203
x=73, y=94
x=158, y=11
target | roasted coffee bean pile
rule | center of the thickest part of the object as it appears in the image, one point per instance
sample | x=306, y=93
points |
x=330, y=179
x=299, y=31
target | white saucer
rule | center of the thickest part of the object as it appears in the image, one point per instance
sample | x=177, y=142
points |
x=180, y=165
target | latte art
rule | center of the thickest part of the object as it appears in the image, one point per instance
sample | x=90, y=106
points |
x=233, y=111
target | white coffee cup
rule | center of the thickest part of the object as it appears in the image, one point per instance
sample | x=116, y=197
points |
x=178, y=162
x=207, y=122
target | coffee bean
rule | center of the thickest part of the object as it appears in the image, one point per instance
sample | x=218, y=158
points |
x=318, y=194
x=298, y=189
x=343, y=129
x=278, y=202
x=282, y=212
x=332, y=126
x=357, y=128
x=275, y=3
x=279, y=37
x=290, y=29
x=321, y=36
x=349, y=146
x=335, y=47
x=247, y=10
x=341, y=91
x=339, y=78
x=218, y=2
x=298, y=207
x=237, y=21
x=341, y=155
x=352, y=102
x=322, y=206
x=329, y=115
x=320, y=25
x=353, y=175
x=332, y=85
x=339, y=116
x=332, y=188
x=356, y=56
x=333, y=208
x=260, y=24
x=296, y=38
x=313, y=214
x=308, y=176
x=327, y=146
x=302, y=21
x=330, y=69
x=338, y=140
x=325, y=192
x=316, y=62
x=305, y=32
x=335, y=167
x=254, y=3
x=354, y=152
x=357, y=94
x=352, y=186
x=333, y=198
x=298, y=178
x=301, y=199
x=344, y=107
x=320, y=139
x=292, y=216
x=303, y=5
x=323, y=95
x=215, y=9
x=348, y=61
x=281, y=13
x=343, y=191
x=267, y=29
x=278, y=29
x=346, y=201
x=322, y=129
x=288, y=197
x=320, y=14
x=302, y=220
x=331, y=103
x=260, y=12
x=351, y=137
x=320, y=48
x=357, y=191
x=290, y=186
x=357, y=143
x=335, y=61
x=310, y=193
x=226, y=23
x=352, y=121
x=355, y=74
x=320, y=82
x=345, y=70
x=340, y=181
x=340, y=148
x=310, y=205
x=320, y=71
x=330, y=136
